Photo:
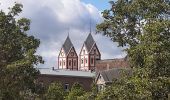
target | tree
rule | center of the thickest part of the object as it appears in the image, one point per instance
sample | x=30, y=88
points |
x=144, y=28
x=76, y=91
x=90, y=95
x=17, y=55
x=55, y=91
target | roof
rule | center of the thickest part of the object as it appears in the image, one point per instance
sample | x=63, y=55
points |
x=89, y=42
x=67, y=45
x=108, y=75
x=57, y=72
x=111, y=60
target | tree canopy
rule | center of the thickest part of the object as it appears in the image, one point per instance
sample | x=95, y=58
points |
x=76, y=91
x=17, y=55
x=144, y=28
x=55, y=91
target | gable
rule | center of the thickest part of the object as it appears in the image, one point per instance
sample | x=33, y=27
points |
x=95, y=50
x=72, y=53
x=100, y=79
x=83, y=50
x=62, y=53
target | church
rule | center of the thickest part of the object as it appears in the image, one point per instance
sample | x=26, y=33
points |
x=85, y=61
x=82, y=68
x=73, y=67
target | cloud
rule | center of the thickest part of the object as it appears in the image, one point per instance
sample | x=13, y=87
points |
x=51, y=20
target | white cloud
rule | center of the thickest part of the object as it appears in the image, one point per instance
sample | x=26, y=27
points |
x=51, y=19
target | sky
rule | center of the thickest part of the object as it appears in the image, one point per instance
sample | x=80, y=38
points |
x=52, y=20
x=99, y=4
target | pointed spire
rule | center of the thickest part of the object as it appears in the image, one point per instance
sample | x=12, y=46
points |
x=89, y=42
x=68, y=31
x=67, y=45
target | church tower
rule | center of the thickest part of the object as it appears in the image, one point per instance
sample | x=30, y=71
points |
x=68, y=58
x=89, y=54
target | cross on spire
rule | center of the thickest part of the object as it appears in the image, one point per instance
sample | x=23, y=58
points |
x=90, y=24
x=68, y=31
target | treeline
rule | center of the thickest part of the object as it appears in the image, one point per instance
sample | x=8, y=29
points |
x=142, y=27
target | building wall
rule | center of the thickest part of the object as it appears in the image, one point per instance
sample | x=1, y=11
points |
x=69, y=61
x=95, y=52
x=72, y=63
x=87, y=59
x=83, y=59
x=102, y=65
x=62, y=60
x=93, y=56
x=100, y=83
x=84, y=81
x=72, y=60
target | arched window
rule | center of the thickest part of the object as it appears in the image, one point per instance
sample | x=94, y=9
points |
x=69, y=62
x=72, y=53
x=83, y=51
x=92, y=61
x=74, y=62
x=82, y=60
x=86, y=60
x=94, y=51
x=60, y=63
x=66, y=87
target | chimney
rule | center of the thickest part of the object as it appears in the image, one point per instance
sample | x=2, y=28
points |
x=52, y=68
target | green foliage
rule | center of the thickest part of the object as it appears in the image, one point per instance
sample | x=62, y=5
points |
x=55, y=91
x=125, y=20
x=94, y=88
x=91, y=95
x=144, y=28
x=17, y=55
x=85, y=96
x=76, y=92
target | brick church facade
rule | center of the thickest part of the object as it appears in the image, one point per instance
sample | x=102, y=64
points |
x=86, y=61
x=89, y=54
x=68, y=58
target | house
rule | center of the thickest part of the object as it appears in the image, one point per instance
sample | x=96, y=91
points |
x=66, y=77
x=104, y=78
x=89, y=54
